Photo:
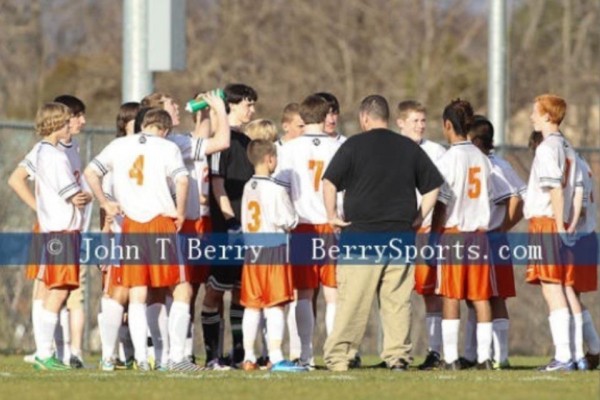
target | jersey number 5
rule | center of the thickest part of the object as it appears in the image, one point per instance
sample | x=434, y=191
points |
x=474, y=183
x=254, y=210
x=136, y=171
x=317, y=167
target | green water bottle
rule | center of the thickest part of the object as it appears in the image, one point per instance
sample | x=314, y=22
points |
x=196, y=105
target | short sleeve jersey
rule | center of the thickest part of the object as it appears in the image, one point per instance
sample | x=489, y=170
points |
x=587, y=222
x=435, y=151
x=509, y=185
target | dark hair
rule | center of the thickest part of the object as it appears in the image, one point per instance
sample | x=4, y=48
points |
x=405, y=107
x=314, y=109
x=158, y=118
x=483, y=130
x=460, y=114
x=75, y=105
x=375, y=106
x=334, y=104
x=535, y=138
x=139, y=117
x=235, y=93
x=258, y=149
x=127, y=112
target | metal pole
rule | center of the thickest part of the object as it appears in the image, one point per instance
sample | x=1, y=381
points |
x=137, y=78
x=497, y=83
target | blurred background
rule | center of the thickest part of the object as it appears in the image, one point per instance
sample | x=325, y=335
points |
x=427, y=50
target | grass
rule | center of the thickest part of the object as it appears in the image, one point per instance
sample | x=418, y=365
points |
x=19, y=381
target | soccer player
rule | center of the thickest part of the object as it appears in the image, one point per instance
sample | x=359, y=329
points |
x=412, y=122
x=462, y=213
x=330, y=126
x=60, y=217
x=548, y=201
x=267, y=282
x=291, y=123
x=507, y=211
x=303, y=162
x=261, y=129
x=142, y=166
x=230, y=170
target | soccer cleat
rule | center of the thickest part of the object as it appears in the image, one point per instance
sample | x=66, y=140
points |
x=593, y=360
x=142, y=366
x=399, y=366
x=288, y=366
x=249, y=366
x=217, y=365
x=29, y=358
x=466, y=364
x=304, y=364
x=453, y=366
x=501, y=365
x=50, y=364
x=76, y=362
x=125, y=365
x=107, y=365
x=356, y=362
x=184, y=366
x=162, y=368
x=487, y=365
x=263, y=363
x=432, y=361
x=555, y=365
x=582, y=364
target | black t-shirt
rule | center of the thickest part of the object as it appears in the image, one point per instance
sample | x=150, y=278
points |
x=234, y=167
x=380, y=171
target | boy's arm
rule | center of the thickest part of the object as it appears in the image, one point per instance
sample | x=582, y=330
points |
x=218, y=186
x=94, y=179
x=428, y=201
x=514, y=213
x=577, y=209
x=330, y=200
x=181, y=192
x=18, y=183
x=557, y=200
x=222, y=137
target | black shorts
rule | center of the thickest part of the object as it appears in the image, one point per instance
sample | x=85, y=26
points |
x=225, y=277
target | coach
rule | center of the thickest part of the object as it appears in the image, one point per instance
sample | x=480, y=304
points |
x=380, y=171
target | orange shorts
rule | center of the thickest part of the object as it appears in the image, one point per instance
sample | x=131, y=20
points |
x=32, y=271
x=425, y=275
x=111, y=278
x=502, y=274
x=198, y=273
x=309, y=276
x=268, y=283
x=551, y=268
x=61, y=269
x=461, y=278
x=586, y=264
x=150, y=272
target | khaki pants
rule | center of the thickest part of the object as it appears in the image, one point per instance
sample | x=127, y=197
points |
x=357, y=287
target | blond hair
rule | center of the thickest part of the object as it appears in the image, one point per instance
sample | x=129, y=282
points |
x=262, y=129
x=258, y=149
x=51, y=117
x=155, y=100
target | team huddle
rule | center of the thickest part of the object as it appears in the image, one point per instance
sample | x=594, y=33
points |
x=233, y=175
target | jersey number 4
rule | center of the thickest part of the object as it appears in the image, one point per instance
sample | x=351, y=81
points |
x=317, y=167
x=136, y=171
x=254, y=210
x=474, y=182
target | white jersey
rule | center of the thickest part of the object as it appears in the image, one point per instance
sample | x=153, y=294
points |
x=435, y=151
x=142, y=165
x=587, y=222
x=109, y=193
x=554, y=166
x=55, y=184
x=509, y=184
x=267, y=207
x=71, y=150
x=468, y=188
x=301, y=167
x=193, y=150
x=340, y=138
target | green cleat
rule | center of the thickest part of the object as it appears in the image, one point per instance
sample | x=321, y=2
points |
x=501, y=365
x=50, y=364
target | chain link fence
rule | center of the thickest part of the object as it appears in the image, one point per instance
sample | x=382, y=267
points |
x=529, y=325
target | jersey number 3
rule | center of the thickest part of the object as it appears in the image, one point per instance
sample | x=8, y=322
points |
x=474, y=183
x=254, y=210
x=136, y=171
x=317, y=167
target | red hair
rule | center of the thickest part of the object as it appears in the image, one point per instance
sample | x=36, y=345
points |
x=554, y=106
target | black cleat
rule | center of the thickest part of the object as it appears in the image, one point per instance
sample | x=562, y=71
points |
x=593, y=360
x=399, y=366
x=466, y=364
x=432, y=361
x=356, y=362
x=76, y=362
x=487, y=365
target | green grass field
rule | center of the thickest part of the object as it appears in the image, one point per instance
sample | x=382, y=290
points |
x=19, y=381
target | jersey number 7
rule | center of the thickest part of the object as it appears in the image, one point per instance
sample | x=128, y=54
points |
x=317, y=167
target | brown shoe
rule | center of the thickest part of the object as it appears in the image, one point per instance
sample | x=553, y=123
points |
x=593, y=360
x=249, y=366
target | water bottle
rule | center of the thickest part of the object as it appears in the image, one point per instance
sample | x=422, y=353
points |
x=196, y=105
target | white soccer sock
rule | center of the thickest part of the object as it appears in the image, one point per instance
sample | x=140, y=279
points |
x=62, y=336
x=577, y=338
x=559, y=326
x=138, y=328
x=590, y=335
x=264, y=341
x=109, y=322
x=45, y=333
x=179, y=321
x=275, y=328
x=295, y=346
x=250, y=324
x=500, y=336
x=125, y=343
x=306, y=325
x=433, y=323
x=450, y=329
x=471, y=336
x=329, y=317
x=158, y=324
x=188, y=350
x=36, y=307
x=484, y=341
